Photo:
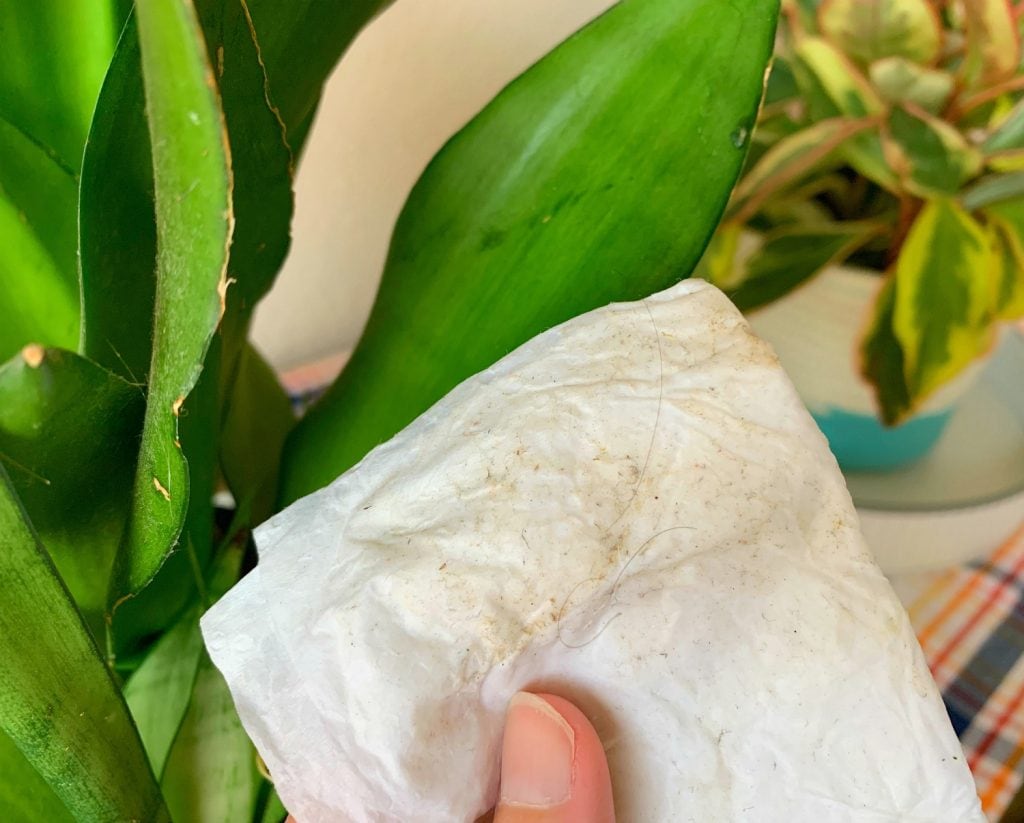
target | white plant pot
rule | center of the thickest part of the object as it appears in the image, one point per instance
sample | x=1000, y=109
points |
x=816, y=331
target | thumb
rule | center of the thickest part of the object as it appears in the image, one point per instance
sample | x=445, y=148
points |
x=553, y=768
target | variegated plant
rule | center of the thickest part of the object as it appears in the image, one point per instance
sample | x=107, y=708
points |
x=892, y=137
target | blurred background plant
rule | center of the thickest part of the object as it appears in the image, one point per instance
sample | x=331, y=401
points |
x=145, y=202
x=891, y=143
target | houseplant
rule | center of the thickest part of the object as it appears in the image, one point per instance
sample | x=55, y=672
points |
x=887, y=183
x=145, y=197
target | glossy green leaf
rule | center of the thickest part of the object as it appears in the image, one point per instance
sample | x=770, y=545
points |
x=872, y=29
x=298, y=44
x=834, y=87
x=54, y=58
x=24, y=795
x=900, y=80
x=117, y=239
x=259, y=417
x=993, y=188
x=936, y=159
x=193, y=207
x=58, y=703
x=1007, y=219
x=68, y=432
x=1008, y=135
x=789, y=257
x=634, y=127
x=38, y=275
x=261, y=159
x=941, y=313
x=55, y=55
x=790, y=160
x=882, y=359
x=37, y=306
x=211, y=773
x=158, y=692
x=993, y=42
x=262, y=168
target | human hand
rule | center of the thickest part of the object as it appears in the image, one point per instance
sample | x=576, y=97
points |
x=553, y=767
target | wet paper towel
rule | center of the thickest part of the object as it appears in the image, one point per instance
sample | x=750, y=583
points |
x=632, y=510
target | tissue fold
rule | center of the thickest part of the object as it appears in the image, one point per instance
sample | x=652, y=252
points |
x=632, y=510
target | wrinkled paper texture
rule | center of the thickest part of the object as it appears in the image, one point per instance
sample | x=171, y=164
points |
x=632, y=510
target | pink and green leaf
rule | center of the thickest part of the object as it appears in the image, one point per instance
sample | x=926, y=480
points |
x=900, y=80
x=933, y=158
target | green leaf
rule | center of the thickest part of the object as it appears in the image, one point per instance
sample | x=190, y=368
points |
x=24, y=795
x=259, y=417
x=993, y=43
x=1008, y=135
x=882, y=359
x=158, y=692
x=55, y=55
x=261, y=159
x=935, y=158
x=1007, y=219
x=117, y=239
x=789, y=257
x=68, y=430
x=831, y=84
x=790, y=160
x=833, y=87
x=597, y=175
x=274, y=811
x=941, y=313
x=58, y=703
x=38, y=274
x=900, y=80
x=993, y=188
x=872, y=29
x=300, y=43
x=193, y=207
x=37, y=306
x=211, y=773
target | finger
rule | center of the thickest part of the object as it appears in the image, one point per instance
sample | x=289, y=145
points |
x=553, y=768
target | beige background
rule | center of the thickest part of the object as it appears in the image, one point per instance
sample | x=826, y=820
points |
x=416, y=75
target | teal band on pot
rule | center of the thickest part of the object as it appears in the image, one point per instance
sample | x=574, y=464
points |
x=861, y=443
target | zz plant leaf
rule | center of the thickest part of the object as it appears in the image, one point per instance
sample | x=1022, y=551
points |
x=533, y=212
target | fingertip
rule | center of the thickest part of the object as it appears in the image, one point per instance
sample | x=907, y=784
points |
x=554, y=768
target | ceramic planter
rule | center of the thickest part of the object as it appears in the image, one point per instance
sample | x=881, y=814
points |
x=816, y=331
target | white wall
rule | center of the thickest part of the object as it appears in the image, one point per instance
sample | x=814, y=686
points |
x=412, y=79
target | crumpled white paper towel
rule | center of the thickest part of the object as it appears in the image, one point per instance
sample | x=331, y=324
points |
x=632, y=510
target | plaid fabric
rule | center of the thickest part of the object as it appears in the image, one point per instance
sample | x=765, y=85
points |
x=970, y=622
